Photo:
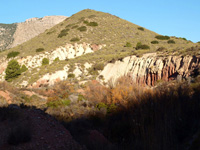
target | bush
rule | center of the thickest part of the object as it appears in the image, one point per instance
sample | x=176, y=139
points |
x=12, y=54
x=141, y=28
x=171, y=42
x=56, y=59
x=198, y=42
x=128, y=44
x=75, y=40
x=39, y=50
x=86, y=22
x=82, y=28
x=12, y=71
x=63, y=33
x=71, y=75
x=45, y=61
x=95, y=68
x=142, y=46
x=76, y=26
x=93, y=24
x=23, y=68
x=154, y=42
x=57, y=103
x=161, y=37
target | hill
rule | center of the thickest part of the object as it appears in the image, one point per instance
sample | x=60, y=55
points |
x=15, y=34
x=102, y=37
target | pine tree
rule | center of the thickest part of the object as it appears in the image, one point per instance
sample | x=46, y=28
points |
x=13, y=70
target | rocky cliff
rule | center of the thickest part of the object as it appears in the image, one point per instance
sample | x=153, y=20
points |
x=150, y=68
x=12, y=35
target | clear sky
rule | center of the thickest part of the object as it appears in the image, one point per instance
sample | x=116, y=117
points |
x=179, y=18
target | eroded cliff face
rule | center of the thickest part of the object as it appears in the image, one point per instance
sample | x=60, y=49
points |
x=68, y=51
x=148, y=69
x=12, y=35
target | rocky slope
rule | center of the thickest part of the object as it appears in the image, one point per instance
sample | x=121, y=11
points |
x=151, y=68
x=18, y=33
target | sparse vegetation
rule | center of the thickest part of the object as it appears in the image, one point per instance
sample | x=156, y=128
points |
x=64, y=32
x=92, y=24
x=75, y=39
x=142, y=46
x=141, y=28
x=82, y=28
x=23, y=68
x=161, y=37
x=171, y=42
x=45, y=61
x=13, y=54
x=39, y=50
x=154, y=42
x=128, y=44
x=56, y=59
x=71, y=75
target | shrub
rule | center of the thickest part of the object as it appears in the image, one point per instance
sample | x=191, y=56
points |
x=57, y=103
x=198, y=42
x=160, y=49
x=86, y=22
x=154, y=42
x=142, y=46
x=75, y=39
x=71, y=75
x=171, y=42
x=64, y=32
x=93, y=24
x=141, y=28
x=56, y=59
x=45, y=61
x=39, y=50
x=76, y=26
x=12, y=54
x=23, y=68
x=82, y=28
x=128, y=44
x=94, y=69
x=161, y=37
x=12, y=70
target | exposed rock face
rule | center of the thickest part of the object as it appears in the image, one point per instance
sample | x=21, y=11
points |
x=12, y=35
x=66, y=52
x=150, y=68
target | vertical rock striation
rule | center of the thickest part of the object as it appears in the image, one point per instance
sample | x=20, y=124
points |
x=150, y=68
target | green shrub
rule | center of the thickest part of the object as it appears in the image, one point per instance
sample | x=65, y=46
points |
x=198, y=42
x=128, y=44
x=86, y=22
x=23, y=68
x=82, y=28
x=161, y=37
x=45, y=61
x=71, y=75
x=13, y=70
x=57, y=103
x=76, y=26
x=75, y=40
x=56, y=59
x=92, y=24
x=12, y=54
x=171, y=42
x=98, y=66
x=154, y=42
x=101, y=105
x=183, y=39
x=80, y=97
x=64, y=32
x=141, y=28
x=142, y=46
x=39, y=49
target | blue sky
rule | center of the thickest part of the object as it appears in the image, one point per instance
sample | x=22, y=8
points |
x=179, y=18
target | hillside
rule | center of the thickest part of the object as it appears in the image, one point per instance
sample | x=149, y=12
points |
x=12, y=35
x=102, y=37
